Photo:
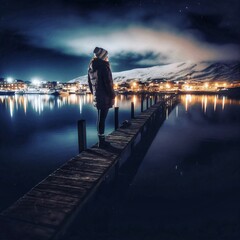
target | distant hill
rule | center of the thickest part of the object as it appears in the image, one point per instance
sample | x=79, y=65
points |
x=182, y=71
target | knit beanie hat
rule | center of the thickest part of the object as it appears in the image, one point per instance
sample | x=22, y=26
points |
x=100, y=52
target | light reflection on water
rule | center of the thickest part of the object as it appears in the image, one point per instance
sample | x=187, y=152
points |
x=208, y=102
x=40, y=103
x=34, y=113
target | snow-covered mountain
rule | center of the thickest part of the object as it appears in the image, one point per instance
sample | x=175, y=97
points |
x=178, y=71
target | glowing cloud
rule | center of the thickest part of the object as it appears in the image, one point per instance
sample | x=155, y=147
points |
x=175, y=46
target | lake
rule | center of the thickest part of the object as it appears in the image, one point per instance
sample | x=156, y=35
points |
x=185, y=187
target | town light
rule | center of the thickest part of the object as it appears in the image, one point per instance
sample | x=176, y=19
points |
x=188, y=88
x=36, y=81
x=167, y=85
x=9, y=80
x=116, y=86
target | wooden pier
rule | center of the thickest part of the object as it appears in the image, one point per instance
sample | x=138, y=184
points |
x=48, y=209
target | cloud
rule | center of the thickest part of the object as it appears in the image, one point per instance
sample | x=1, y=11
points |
x=174, y=45
x=168, y=38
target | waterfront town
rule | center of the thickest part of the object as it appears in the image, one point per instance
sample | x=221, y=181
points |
x=10, y=86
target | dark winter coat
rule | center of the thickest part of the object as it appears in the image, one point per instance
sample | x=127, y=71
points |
x=101, y=83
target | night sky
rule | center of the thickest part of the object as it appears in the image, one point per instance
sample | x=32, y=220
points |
x=53, y=40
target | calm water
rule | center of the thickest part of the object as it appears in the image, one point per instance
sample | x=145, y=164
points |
x=185, y=187
x=38, y=133
x=187, y=184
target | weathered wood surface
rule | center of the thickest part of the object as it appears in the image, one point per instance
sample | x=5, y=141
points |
x=43, y=212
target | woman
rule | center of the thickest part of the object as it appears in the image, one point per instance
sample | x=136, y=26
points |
x=101, y=86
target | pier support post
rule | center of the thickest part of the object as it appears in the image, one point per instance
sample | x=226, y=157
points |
x=132, y=110
x=147, y=102
x=116, y=120
x=141, y=104
x=155, y=99
x=82, y=137
x=150, y=101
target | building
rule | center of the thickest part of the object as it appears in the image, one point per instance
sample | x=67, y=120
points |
x=13, y=85
x=49, y=85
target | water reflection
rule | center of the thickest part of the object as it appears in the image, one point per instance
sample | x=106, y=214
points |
x=208, y=102
x=40, y=103
x=223, y=103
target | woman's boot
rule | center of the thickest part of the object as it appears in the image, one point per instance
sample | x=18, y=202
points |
x=102, y=142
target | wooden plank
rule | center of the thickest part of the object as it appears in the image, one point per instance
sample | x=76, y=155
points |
x=85, y=168
x=138, y=121
x=62, y=198
x=34, y=211
x=90, y=161
x=124, y=133
x=115, y=141
x=105, y=153
x=127, y=133
x=93, y=158
x=81, y=176
x=118, y=144
x=68, y=183
x=134, y=128
x=118, y=137
x=78, y=192
x=89, y=155
x=87, y=163
x=17, y=230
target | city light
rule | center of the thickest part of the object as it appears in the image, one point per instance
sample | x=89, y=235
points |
x=115, y=86
x=134, y=86
x=36, y=81
x=168, y=85
x=9, y=79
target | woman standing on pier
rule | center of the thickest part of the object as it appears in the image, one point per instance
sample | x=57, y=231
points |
x=101, y=86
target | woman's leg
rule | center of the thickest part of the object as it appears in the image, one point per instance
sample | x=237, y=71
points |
x=102, y=114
